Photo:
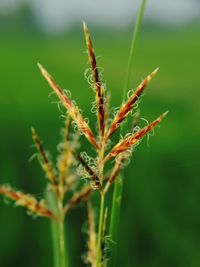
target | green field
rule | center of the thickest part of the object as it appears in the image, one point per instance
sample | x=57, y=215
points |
x=160, y=218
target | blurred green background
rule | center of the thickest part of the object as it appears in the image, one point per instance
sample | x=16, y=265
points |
x=160, y=216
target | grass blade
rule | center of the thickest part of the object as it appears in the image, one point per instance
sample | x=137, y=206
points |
x=133, y=48
x=118, y=187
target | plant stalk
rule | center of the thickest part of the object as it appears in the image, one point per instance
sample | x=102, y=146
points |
x=57, y=230
x=55, y=244
x=51, y=202
x=99, y=241
x=132, y=51
x=62, y=255
x=101, y=213
x=118, y=186
x=61, y=233
x=114, y=219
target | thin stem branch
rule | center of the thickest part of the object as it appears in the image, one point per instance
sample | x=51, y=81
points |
x=99, y=241
x=114, y=219
x=57, y=230
x=101, y=214
x=52, y=203
x=61, y=233
x=55, y=244
x=62, y=255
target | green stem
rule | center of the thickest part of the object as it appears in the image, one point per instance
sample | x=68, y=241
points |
x=57, y=232
x=55, y=244
x=51, y=202
x=118, y=187
x=99, y=241
x=61, y=234
x=114, y=219
x=62, y=255
x=133, y=48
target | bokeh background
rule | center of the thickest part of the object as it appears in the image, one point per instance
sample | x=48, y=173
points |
x=160, y=216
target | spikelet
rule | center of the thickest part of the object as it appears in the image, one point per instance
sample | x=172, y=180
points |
x=92, y=239
x=46, y=165
x=126, y=143
x=71, y=108
x=107, y=106
x=94, y=177
x=77, y=198
x=127, y=107
x=64, y=159
x=27, y=201
x=99, y=90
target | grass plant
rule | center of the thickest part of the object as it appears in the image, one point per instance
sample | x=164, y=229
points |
x=65, y=188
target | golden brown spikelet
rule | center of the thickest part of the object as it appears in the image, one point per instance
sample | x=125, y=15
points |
x=126, y=143
x=46, y=165
x=77, y=198
x=71, y=108
x=65, y=159
x=127, y=107
x=99, y=90
x=94, y=177
x=27, y=201
x=107, y=106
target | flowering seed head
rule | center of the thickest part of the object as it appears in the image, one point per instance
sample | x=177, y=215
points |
x=128, y=142
x=27, y=201
x=71, y=108
x=94, y=177
x=64, y=160
x=46, y=164
x=127, y=107
x=99, y=90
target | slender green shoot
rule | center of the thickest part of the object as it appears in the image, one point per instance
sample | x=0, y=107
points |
x=55, y=244
x=51, y=202
x=118, y=186
x=114, y=220
x=57, y=232
x=132, y=52
x=62, y=250
x=100, y=230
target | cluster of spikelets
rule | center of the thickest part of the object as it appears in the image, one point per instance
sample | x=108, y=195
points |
x=61, y=181
x=105, y=129
x=64, y=179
